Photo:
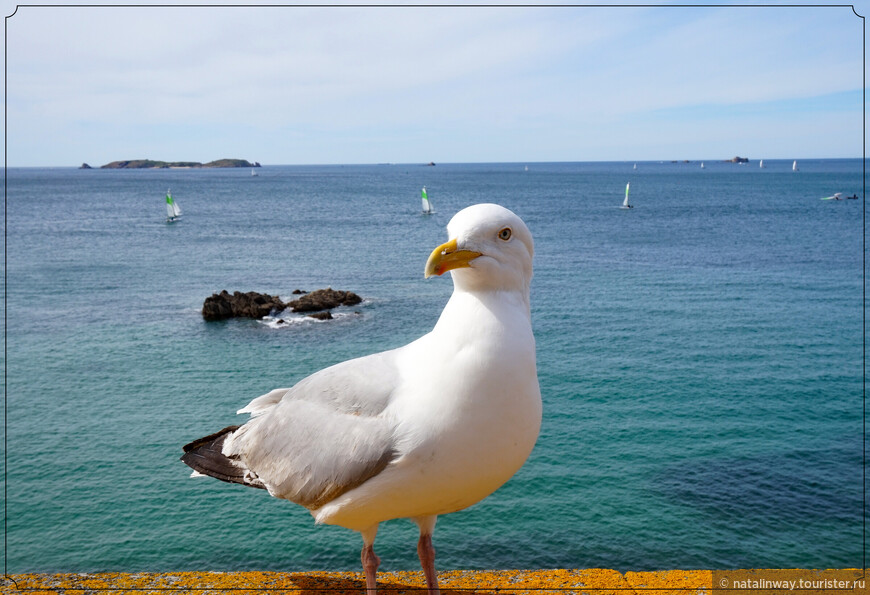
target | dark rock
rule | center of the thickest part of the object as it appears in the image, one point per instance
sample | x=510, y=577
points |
x=229, y=163
x=153, y=164
x=86, y=166
x=221, y=306
x=136, y=164
x=739, y=160
x=299, y=292
x=324, y=299
x=321, y=315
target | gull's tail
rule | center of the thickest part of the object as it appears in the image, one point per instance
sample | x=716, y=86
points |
x=204, y=456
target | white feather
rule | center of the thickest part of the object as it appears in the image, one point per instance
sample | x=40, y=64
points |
x=262, y=403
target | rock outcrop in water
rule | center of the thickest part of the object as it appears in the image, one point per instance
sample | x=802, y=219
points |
x=327, y=315
x=152, y=164
x=324, y=299
x=223, y=305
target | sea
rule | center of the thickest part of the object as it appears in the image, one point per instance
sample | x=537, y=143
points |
x=700, y=356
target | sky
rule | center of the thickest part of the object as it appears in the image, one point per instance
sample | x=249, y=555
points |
x=414, y=84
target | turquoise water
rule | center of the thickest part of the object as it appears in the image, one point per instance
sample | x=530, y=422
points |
x=700, y=359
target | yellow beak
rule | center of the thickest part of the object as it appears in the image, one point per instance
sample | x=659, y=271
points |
x=446, y=258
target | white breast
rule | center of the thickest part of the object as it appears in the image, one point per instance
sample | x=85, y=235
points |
x=468, y=413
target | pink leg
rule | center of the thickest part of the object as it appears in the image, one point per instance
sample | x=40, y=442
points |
x=427, y=561
x=370, y=561
x=370, y=564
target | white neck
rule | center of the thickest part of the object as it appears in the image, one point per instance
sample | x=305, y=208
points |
x=481, y=310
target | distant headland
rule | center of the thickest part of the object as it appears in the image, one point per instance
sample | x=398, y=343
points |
x=151, y=164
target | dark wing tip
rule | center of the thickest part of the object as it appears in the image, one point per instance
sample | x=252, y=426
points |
x=205, y=456
x=204, y=441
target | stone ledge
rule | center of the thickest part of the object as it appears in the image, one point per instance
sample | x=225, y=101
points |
x=592, y=581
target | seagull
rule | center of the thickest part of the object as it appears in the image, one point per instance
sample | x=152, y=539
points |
x=415, y=432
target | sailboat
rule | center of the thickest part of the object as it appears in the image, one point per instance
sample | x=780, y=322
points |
x=702, y=165
x=761, y=164
x=794, y=165
x=254, y=173
x=625, y=204
x=836, y=196
x=427, y=206
x=173, y=211
x=635, y=166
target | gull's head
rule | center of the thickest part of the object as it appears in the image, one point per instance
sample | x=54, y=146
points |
x=489, y=248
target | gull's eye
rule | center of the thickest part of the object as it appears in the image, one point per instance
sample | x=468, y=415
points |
x=505, y=234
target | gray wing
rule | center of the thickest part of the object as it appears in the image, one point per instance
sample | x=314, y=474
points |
x=324, y=436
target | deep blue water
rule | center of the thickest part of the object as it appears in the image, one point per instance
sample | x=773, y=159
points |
x=700, y=359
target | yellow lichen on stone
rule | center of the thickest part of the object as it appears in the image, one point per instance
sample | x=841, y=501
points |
x=667, y=582
x=592, y=581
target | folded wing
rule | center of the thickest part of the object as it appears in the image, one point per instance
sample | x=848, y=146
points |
x=313, y=442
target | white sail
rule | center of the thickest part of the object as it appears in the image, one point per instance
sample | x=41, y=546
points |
x=625, y=204
x=427, y=206
x=702, y=165
x=173, y=211
x=761, y=163
x=794, y=166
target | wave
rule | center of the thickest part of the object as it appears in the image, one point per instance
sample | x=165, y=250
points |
x=287, y=320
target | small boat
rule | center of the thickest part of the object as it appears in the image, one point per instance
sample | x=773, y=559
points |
x=761, y=164
x=834, y=197
x=853, y=197
x=625, y=204
x=635, y=166
x=794, y=166
x=173, y=211
x=254, y=173
x=702, y=165
x=427, y=206
x=527, y=168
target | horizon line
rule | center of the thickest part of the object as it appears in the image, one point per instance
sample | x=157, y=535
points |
x=431, y=164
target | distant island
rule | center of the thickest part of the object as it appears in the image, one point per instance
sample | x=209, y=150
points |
x=151, y=164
